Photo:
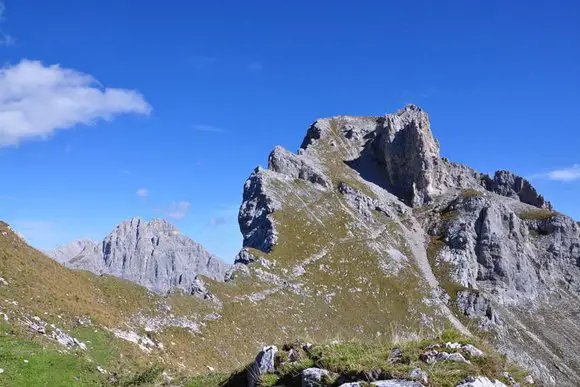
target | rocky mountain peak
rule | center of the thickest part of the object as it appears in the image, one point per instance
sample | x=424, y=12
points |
x=375, y=191
x=154, y=254
x=405, y=146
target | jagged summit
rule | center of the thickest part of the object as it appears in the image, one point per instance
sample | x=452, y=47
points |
x=396, y=152
x=154, y=254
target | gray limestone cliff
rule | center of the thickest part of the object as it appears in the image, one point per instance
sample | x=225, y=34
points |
x=493, y=248
x=153, y=254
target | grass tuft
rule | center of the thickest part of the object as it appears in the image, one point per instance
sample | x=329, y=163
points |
x=539, y=214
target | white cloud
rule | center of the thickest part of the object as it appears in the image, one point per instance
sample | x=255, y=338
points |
x=143, y=192
x=37, y=100
x=564, y=174
x=178, y=210
x=209, y=129
x=256, y=67
x=5, y=39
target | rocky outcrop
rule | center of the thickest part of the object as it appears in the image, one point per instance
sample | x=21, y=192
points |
x=507, y=184
x=481, y=381
x=263, y=364
x=289, y=164
x=409, y=153
x=474, y=305
x=254, y=218
x=153, y=254
x=313, y=377
x=501, y=245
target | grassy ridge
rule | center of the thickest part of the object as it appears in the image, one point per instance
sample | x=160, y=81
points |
x=360, y=361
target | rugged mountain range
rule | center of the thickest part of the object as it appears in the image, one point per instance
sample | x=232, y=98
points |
x=153, y=254
x=365, y=234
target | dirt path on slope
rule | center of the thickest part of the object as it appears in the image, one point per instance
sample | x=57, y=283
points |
x=417, y=244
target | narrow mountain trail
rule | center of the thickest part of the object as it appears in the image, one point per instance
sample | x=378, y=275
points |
x=417, y=243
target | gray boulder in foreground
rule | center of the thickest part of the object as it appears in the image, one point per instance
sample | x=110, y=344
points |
x=263, y=364
x=481, y=381
x=385, y=383
x=312, y=377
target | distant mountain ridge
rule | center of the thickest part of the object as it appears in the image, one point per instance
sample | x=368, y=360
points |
x=153, y=254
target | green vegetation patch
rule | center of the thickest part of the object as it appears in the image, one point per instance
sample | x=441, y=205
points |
x=356, y=361
x=33, y=363
x=539, y=214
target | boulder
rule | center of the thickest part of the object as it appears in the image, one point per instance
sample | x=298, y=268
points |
x=237, y=270
x=508, y=184
x=313, y=377
x=263, y=364
x=481, y=381
x=419, y=375
x=472, y=351
x=384, y=383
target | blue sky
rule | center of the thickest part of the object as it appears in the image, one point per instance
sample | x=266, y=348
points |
x=163, y=111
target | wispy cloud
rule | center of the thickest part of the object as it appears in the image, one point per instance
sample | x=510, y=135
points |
x=142, y=193
x=37, y=100
x=201, y=61
x=217, y=221
x=209, y=129
x=256, y=67
x=125, y=172
x=564, y=174
x=178, y=210
x=5, y=39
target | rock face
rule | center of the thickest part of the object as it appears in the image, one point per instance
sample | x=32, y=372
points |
x=507, y=184
x=405, y=146
x=254, y=217
x=154, y=254
x=287, y=163
x=491, y=247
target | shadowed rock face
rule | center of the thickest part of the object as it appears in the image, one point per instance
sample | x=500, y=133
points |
x=405, y=146
x=153, y=254
x=498, y=252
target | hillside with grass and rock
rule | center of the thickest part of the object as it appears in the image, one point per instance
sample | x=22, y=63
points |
x=366, y=243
